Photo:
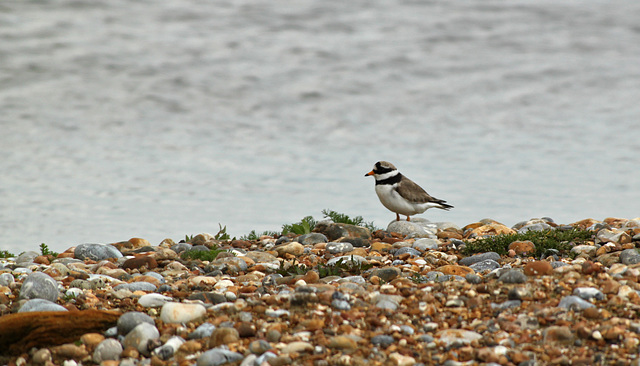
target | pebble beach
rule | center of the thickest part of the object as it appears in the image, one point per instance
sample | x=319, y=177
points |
x=410, y=294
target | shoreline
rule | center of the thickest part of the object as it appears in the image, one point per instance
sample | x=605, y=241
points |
x=415, y=293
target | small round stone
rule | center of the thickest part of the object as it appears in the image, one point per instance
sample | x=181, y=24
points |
x=38, y=285
x=109, y=349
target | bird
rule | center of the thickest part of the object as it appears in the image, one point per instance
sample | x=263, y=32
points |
x=400, y=194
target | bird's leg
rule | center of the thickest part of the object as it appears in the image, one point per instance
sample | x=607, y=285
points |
x=408, y=218
x=397, y=216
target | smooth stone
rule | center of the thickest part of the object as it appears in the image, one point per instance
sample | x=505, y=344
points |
x=336, y=248
x=630, y=256
x=175, y=312
x=399, y=359
x=136, y=286
x=485, y=265
x=208, y=297
x=140, y=336
x=129, y=320
x=218, y=356
x=340, y=304
x=589, y=250
x=382, y=340
x=167, y=350
x=231, y=265
x=468, y=261
x=109, y=349
x=513, y=276
x=411, y=251
x=424, y=244
x=457, y=336
x=540, y=226
x=293, y=248
x=297, y=347
x=346, y=259
x=259, y=347
x=276, y=313
x=73, y=292
x=473, y=278
x=153, y=300
x=26, y=258
x=202, y=331
x=96, y=252
x=574, y=303
x=156, y=275
x=437, y=276
x=506, y=305
x=6, y=279
x=408, y=228
x=311, y=239
x=386, y=274
x=40, y=305
x=38, y=285
x=335, y=231
x=589, y=293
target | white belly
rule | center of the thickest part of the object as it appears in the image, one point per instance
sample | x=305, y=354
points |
x=395, y=203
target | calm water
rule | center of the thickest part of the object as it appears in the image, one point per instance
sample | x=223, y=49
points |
x=150, y=119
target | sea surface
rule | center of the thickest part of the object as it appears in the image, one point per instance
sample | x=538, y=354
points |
x=160, y=119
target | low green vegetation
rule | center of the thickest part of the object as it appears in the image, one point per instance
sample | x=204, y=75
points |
x=294, y=269
x=222, y=234
x=548, y=239
x=44, y=249
x=345, y=219
x=305, y=226
x=203, y=255
x=6, y=254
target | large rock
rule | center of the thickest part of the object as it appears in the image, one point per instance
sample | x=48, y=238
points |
x=39, y=286
x=96, y=252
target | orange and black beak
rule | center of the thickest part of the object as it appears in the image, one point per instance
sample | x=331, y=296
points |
x=370, y=173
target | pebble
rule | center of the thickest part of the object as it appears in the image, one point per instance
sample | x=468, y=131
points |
x=140, y=336
x=408, y=228
x=96, y=252
x=40, y=305
x=109, y=349
x=418, y=300
x=174, y=312
x=38, y=285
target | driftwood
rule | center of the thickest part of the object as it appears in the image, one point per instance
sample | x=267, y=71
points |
x=21, y=331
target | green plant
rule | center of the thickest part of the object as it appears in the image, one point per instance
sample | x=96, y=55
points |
x=44, y=249
x=343, y=266
x=418, y=278
x=543, y=240
x=188, y=238
x=222, y=233
x=6, y=254
x=305, y=226
x=203, y=255
x=293, y=269
x=345, y=219
x=255, y=236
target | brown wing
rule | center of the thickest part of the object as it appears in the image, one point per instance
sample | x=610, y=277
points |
x=414, y=193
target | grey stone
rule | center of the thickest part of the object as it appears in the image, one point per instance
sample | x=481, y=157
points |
x=26, y=258
x=336, y=248
x=40, y=305
x=335, y=231
x=6, y=279
x=96, y=252
x=589, y=250
x=167, y=350
x=340, y=304
x=412, y=251
x=540, y=226
x=467, y=261
x=313, y=238
x=346, y=259
x=202, y=331
x=485, y=265
x=38, y=285
x=424, y=244
x=262, y=257
x=382, y=340
x=473, y=278
x=589, y=293
x=630, y=256
x=136, y=286
x=181, y=247
x=386, y=273
x=218, y=356
x=109, y=349
x=574, y=303
x=513, y=276
x=506, y=305
x=132, y=319
x=437, y=276
x=408, y=228
x=140, y=336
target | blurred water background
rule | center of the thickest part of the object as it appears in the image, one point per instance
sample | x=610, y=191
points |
x=160, y=119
